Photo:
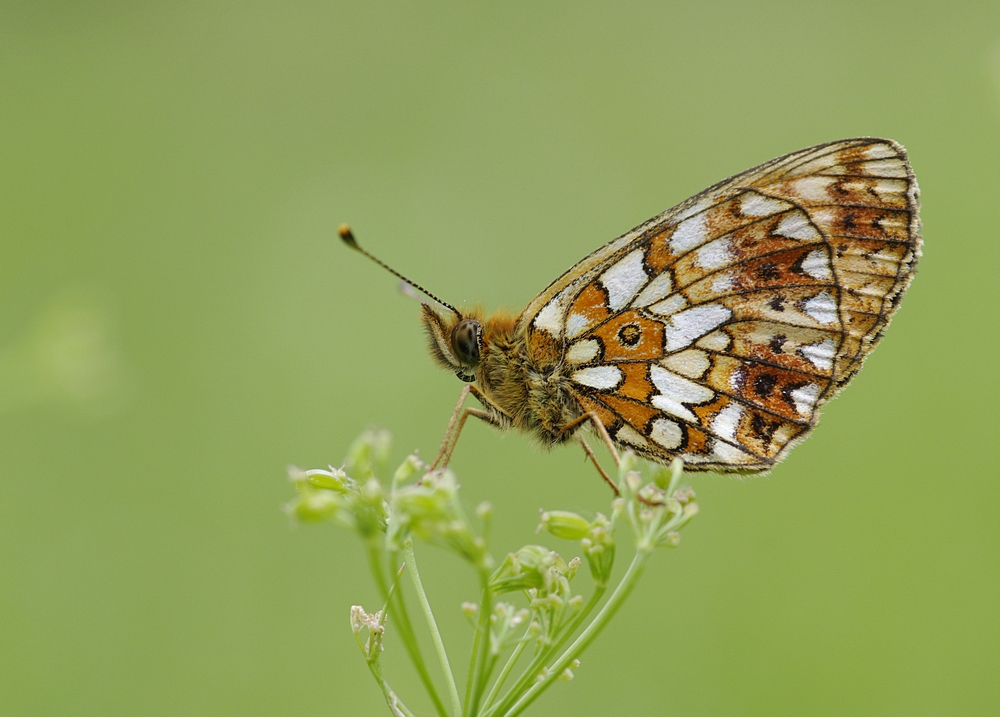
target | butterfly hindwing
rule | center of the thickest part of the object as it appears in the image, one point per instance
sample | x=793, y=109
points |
x=716, y=330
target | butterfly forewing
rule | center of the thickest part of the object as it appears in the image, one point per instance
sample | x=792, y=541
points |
x=716, y=330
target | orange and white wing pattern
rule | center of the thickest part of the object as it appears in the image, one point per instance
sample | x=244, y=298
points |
x=716, y=330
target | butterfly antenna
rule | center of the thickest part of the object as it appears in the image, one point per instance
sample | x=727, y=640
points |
x=348, y=237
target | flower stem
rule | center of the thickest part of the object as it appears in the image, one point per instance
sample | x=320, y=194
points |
x=397, y=607
x=592, y=630
x=396, y=705
x=505, y=672
x=534, y=667
x=482, y=674
x=411, y=563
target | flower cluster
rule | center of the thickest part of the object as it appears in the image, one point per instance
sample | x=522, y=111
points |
x=518, y=651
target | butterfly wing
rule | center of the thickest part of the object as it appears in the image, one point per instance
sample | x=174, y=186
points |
x=717, y=329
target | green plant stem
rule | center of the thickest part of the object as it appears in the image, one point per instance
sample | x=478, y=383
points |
x=567, y=633
x=534, y=668
x=473, y=658
x=411, y=563
x=482, y=675
x=592, y=630
x=396, y=705
x=505, y=672
x=397, y=607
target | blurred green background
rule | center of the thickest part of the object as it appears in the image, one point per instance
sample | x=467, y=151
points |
x=178, y=322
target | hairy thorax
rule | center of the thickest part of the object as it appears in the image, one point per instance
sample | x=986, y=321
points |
x=531, y=387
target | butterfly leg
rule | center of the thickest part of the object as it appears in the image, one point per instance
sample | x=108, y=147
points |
x=451, y=424
x=603, y=433
x=597, y=465
x=457, y=423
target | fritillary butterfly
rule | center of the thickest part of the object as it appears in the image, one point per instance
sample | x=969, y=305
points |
x=713, y=332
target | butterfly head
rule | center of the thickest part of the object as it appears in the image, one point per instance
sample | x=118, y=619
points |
x=456, y=342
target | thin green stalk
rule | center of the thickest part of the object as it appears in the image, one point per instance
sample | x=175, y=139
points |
x=481, y=674
x=397, y=607
x=411, y=564
x=567, y=632
x=505, y=672
x=526, y=678
x=473, y=658
x=396, y=705
x=592, y=630
x=545, y=654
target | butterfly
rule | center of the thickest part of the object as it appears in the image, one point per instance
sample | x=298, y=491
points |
x=713, y=332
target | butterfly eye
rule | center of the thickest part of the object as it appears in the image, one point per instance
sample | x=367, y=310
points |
x=465, y=341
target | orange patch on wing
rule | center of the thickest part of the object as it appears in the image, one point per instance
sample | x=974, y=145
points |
x=592, y=303
x=635, y=414
x=544, y=349
x=726, y=218
x=636, y=384
x=707, y=411
x=659, y=256
x=696, y=440
x=607, y=418
x=631, y=336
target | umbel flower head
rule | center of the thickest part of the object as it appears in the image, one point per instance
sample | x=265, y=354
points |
x=551, y=627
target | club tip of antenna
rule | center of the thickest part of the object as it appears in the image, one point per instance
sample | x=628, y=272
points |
x=345, y=233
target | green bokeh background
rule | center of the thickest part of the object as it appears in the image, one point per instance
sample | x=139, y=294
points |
x=178, y=323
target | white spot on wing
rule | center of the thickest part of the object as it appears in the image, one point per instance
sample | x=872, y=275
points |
x=670, y=305
x=715, y=341
x=715, y=254
x=655, y=290
x=825, y=217
x=624, y=280
x=666, y=433
x=727, y=421
x=796, y=226
x=576, y=324
x=820, y=355
x=822, y=308
x=675, y=391
x=724, y=453
x=722, y=284
x=627, y=434
x=880, y=151
x=549, y=318
x=583, y=351
x=885, y=168
x=691, y=363
x=602, y=377
x=814, y=188
x=689, y=234
x=757, y=205
x=886, y=188
x=817, y=265
x=805, y=398
x=693, y=323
